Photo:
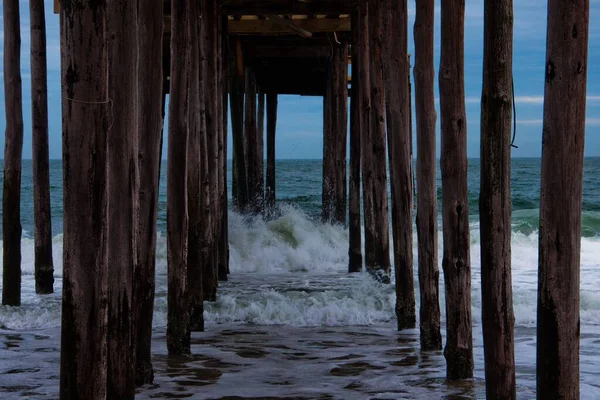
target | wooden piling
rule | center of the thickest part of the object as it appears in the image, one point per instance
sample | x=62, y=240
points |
x=178, y=328
x=355, y=260
x=236, y=93
x=328, y=183
x=379, y=263
x=363, y=66
x=250, y=137
x=209, y=37
x=396, y=71
x=13, y=151
x=494, y=201
x=195, y=256
x=44, y=266
x=122, y=195
x=341, y=130
x=260, y=149
x=223, y=267
x=150, y=123
x=335, y=126
x=455, y=206
x=270, y=192
x=427, y=226
x=85, y=108
x=560, y=201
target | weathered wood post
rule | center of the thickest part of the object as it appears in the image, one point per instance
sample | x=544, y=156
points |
x=364, y=103
x=122, y=195
x=260, y=148
x=223, y=267
x=427, y=227
x=355, y=259
x=328, y=183
x=379, y=263
x=335, y=126
x=44, y=266
x=178, y=319
x=399, y=134
x=150, y=123
x=13, y=151
x=455, y=208
x=494, y=201
x=196, y=253
x=341, y=130
x=270, y=192
x=85, y=108
x=560, y=201
x=236, y=93
x=250, y=136
x=209, y=36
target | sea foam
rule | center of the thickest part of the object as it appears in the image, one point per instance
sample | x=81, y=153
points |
x=292, y=271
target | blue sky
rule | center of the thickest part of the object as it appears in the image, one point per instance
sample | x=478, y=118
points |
x=299, y=133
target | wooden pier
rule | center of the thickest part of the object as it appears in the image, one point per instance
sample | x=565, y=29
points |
x=215, y=58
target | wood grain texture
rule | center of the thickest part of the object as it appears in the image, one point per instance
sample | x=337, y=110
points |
x=427, y=225
x=560, y=201
x=455, y=207
x=85, y=121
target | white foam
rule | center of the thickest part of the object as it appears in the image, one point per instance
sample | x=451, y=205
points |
x=292, y=270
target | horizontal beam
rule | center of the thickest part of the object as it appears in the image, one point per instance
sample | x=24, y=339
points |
x=286, y=7
x=274, y=27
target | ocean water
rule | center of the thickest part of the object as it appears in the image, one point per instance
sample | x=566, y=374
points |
x=292, y=323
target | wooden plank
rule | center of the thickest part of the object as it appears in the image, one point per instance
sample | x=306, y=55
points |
x=275, y=27
x=558, y=330
x=150, y=123
x=293, y=26
x=287, y=7
x=427, y=225
x=455, y=208
x=396, y=75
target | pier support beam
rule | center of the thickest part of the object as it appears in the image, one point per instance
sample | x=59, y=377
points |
x=85, y=108
x=223, y=265
x=396, y=74
x=270, y=192
x=260, y=148
x=355, y=259
x=378, y=262
x=236, y=93
x=122, y=195
x=178, y=320
x=13, y=152
x=455, y=208
x=150, y=125
x=335, y=136
x=250, y=136
x=494, y=202
x=210, y=67
x=427, y=225
x=560, y=201
x=196, y=256
x=44, y=266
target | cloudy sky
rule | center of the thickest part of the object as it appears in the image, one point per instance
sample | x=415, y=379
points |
x=299, y=133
